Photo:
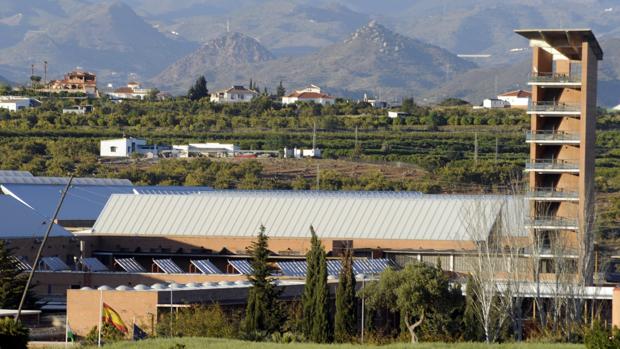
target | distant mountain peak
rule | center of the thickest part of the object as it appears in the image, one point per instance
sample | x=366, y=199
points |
x=380, y=37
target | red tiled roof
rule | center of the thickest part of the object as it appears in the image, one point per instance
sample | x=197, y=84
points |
x=124, y=90
x=517, y=93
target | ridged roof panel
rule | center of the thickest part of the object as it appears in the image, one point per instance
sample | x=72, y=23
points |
x=340, y=215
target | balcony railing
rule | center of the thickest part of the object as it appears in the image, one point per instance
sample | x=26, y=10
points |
x=551, y=136
x=555, y=78
x=552, y=165
x=551, y=193
x=555, y=107
x=551, y=222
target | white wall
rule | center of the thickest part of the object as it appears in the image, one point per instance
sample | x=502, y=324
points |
x=122, y=147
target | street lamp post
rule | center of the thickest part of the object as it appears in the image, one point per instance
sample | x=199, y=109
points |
x=363, y=277
x=170, y=286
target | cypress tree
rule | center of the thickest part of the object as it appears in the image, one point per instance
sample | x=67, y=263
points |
x=263, y=312
x=280, y=91
x=320, y=323
x=199, y=89
x=345, y=318
x=12, y=281
x=308, y=295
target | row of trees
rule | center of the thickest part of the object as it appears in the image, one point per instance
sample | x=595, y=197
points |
x=420, y=294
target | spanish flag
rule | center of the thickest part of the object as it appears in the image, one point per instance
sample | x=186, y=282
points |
x=110, y=316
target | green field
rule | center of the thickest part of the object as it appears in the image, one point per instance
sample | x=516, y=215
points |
x=195, y=343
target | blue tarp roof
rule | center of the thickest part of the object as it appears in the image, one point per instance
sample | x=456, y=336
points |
x=19, y=221
x=83, y=202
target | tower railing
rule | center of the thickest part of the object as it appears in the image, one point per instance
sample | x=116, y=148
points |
x=552, y=106
x=551, y=164
x=552, y=193
x=555, y=78
x=551, y=135
x=551, y=222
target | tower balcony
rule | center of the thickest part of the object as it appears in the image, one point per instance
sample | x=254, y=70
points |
x=554, y=80
x=552, y=166
x=551, y=223
x=552, y=137
x=551, y=108
x=552, y=194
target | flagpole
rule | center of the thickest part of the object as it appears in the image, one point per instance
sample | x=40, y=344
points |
x=100, y=316
x=133, y=329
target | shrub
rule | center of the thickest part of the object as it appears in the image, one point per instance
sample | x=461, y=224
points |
x=109, y=334
x=200, y=321
x=13, y=335
x=599, y=337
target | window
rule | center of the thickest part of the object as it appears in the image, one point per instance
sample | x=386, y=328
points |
x=112, y=149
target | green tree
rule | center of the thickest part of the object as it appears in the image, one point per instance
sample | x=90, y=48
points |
x=308, y=295
x=345, y=318
x=263, y=312
x=12, y=281
x=472, y=325
x=280, y=91
x=408, y=105
x=320, y=323
x=421, y=295
x=198, y=90
x=13, y=335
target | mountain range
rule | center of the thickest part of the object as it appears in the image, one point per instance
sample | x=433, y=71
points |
x=328, y=42
x=372, y=59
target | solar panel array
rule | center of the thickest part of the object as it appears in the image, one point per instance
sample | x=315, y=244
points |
x=54, y=264
x=92, y=264
x=360, y=266
x=20, y=179
x=242, y=266
x=21, y=264
x=9, y=173
x=130, y=265
x=370, y=266
x=168, y=266
x=293, y=268
x=205, y=266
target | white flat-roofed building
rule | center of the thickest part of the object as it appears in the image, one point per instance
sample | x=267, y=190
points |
x=494, y=103
x=125, y=147
x=235, y=94
x=15, y=103
x=205, y=149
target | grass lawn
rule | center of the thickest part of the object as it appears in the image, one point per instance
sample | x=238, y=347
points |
x=213, y=343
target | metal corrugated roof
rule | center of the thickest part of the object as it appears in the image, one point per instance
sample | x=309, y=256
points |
x=170, y=190
x=63, y=181
x=82, y=203
x=343, y=215
x=11, y=173
x=19, y=221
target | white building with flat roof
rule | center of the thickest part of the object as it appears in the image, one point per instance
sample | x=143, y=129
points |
x=15, y=103
x=125, y=147
x=205, y=149
x=310, y=94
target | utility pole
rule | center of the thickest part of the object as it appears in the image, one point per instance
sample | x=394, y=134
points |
x=496, y=148
x=318, y=177
x=45, y=73
x=476, y=148
x=31, y=75
x=314, y=137
x=38, y=256
x=356, y=143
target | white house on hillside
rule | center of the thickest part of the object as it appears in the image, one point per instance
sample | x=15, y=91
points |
x=15, y=103
x=311, y=93
x=125, y=147
x=519, y=99
x=494, y=103
x=133, y=90
x=234, y=94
